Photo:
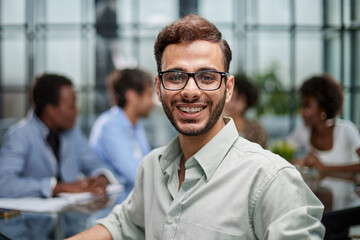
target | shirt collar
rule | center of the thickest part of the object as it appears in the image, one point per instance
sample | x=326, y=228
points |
x=126, y=121
x=44, y=130
x=210, y=156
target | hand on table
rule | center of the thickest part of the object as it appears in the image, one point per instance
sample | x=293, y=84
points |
x=96, y=185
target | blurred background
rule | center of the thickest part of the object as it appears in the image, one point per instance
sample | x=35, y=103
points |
x=278, y=43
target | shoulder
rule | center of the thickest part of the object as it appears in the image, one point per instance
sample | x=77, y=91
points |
x=256, y=158
x=23, y=127
x=110, y=119
x=103, y=118
x=345, y=124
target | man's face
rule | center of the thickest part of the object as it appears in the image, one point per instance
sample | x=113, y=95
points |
x=145, y=101
x=191, y=110
x=64, y=114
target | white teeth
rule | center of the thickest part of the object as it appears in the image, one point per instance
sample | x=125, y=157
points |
x=191, y=110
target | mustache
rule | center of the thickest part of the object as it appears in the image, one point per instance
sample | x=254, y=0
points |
x=176, y=101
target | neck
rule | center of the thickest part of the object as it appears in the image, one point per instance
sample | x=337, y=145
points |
x=192, y=144
x=321, y=128
x=131, y=114
x=48, y=123
x=240, y=122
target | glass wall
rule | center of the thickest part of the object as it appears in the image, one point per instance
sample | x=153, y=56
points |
x=85, y=39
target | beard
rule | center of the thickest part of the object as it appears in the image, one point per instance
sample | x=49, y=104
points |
x=213, y=118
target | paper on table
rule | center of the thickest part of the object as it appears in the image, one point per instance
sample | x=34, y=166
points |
x=80, y=197
x=32, y=204
x=52, y=205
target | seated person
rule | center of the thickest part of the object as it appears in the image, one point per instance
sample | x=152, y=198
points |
x=117, y=135
x=245, y=96
x=330, y=143
x=45, y=154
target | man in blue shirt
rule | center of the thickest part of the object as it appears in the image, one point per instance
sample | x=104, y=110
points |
x=44, y=154
x=117, y=135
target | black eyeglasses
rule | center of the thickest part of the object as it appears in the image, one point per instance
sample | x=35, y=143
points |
x=205, y=80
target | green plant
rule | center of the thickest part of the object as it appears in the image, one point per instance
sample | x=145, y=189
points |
x=284, y=149
x=275, y=99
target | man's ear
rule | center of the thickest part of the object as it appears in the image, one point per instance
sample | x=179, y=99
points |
x=49, y=112
x=131, y=96
x=158, y=86
x=229, y=87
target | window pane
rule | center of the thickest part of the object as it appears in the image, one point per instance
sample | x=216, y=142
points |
x=125, y=52
x=12, y=12
x=209, y=9
x=158, y=12
x=233, y=41
x=308, y=56
x=308, y=12
x=357, y=11
x=86, y=114
x=13, y=58
x=61, y=53
x=333, y=60
x=64, y=11
x=333, y=12
x=14, y=105
x=146, y=55
x=268, y=12
x=357, y=109
x=125, y=11
x=267, y=49
x=356, y=45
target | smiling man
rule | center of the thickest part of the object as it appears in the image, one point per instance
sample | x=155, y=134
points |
x=208, y=183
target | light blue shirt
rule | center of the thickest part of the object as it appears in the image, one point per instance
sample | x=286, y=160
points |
x=233, y=189
x=28, y=164
x=119, y=143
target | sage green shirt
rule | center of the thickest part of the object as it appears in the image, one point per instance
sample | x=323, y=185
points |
x=233, y=189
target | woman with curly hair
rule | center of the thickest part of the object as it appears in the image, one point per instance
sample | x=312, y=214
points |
x=332, y=144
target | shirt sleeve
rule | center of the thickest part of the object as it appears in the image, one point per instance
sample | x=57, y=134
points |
x=126, y=221
x=287, y=209
x=117, y=147
x=353, y=136
x=90, y=163
x=14, y=152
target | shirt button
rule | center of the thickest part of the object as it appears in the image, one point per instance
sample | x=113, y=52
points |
x=171, y=220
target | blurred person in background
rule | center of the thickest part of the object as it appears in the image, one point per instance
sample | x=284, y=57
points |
x=45, y=153
x=331, y=145
x=117, y=136
x=245, y=96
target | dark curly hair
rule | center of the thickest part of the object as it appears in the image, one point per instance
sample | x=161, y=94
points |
x=189, y=29
x=46, y=90
x=244, y=87
x=327, y=92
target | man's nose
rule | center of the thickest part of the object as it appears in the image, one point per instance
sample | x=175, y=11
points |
x=191, y=90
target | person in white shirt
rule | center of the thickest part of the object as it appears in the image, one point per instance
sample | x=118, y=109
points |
x=330, y=144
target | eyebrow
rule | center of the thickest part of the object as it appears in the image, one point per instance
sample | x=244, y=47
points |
x=198, y=70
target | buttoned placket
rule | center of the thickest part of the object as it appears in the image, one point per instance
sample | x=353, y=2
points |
x=193, y=174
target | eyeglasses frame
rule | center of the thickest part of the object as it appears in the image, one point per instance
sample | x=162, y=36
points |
x=189, y=75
